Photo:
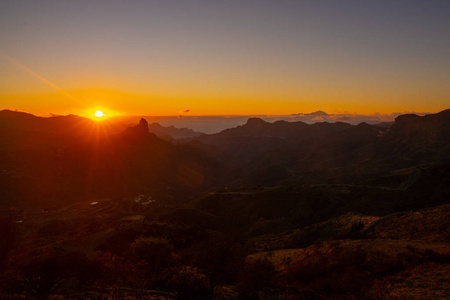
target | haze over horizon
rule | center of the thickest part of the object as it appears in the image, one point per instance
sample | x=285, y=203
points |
x=211, y=124
x=228, y=58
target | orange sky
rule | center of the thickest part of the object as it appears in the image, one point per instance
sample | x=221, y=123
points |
x=156, y=58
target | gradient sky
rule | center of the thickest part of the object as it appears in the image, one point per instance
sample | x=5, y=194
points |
x=224, y=57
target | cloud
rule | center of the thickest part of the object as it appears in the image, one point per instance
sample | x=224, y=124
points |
x=321, y=116
x=343, y=118
x=318, y=119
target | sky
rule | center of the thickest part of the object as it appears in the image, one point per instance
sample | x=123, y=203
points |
x=235, y=57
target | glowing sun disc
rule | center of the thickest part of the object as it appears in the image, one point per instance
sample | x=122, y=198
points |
x=98, y=114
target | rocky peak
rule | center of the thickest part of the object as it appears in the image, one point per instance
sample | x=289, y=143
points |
x=142, y=126
x=255, y=122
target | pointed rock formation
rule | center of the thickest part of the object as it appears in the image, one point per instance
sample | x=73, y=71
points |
x=142, y=126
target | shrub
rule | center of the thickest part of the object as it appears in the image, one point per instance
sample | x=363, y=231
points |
x=255, y=277
x=86, y=270
x=190, y=284
x=120, y=240
x=333, y=274
x=357, y=226
x=39, y=275
x=117, y=271
x=157, y=252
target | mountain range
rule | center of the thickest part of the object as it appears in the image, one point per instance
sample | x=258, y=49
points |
x=68, y=156
x=334, y=152
x=264, y=210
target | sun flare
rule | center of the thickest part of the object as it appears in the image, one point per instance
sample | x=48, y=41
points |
x=98, y=114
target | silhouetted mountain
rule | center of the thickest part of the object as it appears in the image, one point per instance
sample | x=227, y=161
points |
x=150, y=163
x=385, y=125
x=338, y=152
x=81, y=156
x=172, y=132
x=413, y=141
x=60, y=159
x=295, y=147
x=433, y=129
x=319, y=113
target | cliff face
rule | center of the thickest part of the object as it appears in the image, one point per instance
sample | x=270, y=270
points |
x=143, y=125
x=433, y=129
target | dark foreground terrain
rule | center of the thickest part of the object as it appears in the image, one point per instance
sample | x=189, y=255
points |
x=262, y=211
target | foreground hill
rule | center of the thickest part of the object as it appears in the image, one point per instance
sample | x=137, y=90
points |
x=294, y=242
x=407, y=256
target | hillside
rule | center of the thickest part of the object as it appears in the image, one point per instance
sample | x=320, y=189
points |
x=397, y=261
x=262, y=211
x=284, y=241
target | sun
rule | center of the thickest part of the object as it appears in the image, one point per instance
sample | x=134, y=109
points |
x=98, y=114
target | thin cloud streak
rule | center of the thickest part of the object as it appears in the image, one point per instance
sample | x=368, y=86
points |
x=41, y=78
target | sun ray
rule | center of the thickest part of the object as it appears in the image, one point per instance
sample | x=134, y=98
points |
x=41, y=78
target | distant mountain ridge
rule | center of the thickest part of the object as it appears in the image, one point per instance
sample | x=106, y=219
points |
x=288, y=132
x=172, y=132
x=333, y=151
x=429, y=127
